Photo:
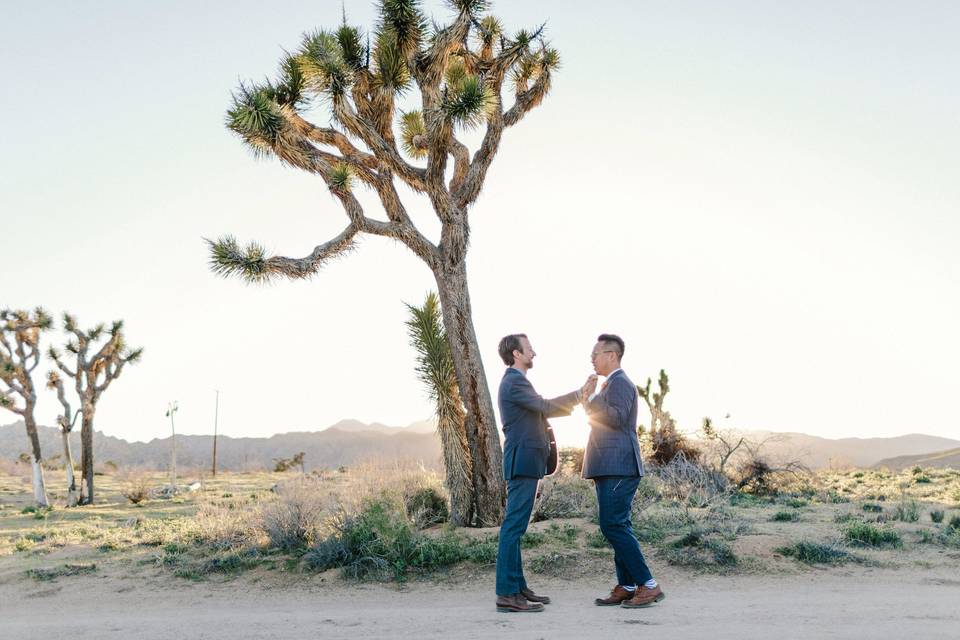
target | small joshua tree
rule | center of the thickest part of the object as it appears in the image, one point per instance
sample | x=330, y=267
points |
x=459, y=71
x=435, y=369
x=665, y=438
x=94, y=369
x=19, y=356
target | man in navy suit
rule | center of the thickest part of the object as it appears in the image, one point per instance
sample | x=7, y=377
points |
x=526, y=446
x=612, y=460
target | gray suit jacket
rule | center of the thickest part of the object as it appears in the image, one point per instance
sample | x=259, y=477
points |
x=613, y=448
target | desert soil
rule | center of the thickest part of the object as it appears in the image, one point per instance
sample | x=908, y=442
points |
x=835, y=603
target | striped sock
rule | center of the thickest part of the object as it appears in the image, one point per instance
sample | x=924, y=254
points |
x=630, y=589
x=650, y=584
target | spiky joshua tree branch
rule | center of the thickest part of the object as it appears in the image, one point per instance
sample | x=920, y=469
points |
x=459, y=71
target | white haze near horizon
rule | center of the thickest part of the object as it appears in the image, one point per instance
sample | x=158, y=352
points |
x=761, y=198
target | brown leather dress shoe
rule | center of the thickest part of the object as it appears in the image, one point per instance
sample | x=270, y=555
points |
x=516, y=603
x=644, y=597
x=617, y=595
x=532, y=597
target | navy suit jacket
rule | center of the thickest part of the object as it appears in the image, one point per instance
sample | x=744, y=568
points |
x=613, y=448
x=524, y=414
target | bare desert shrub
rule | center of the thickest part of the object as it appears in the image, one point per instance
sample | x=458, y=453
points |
x=565, y=495
x=936, y=516
x=690, y=484
x=136, y=487
x=291, y=518
x=227, y=525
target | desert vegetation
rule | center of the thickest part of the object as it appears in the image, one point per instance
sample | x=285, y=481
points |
x=392, y=523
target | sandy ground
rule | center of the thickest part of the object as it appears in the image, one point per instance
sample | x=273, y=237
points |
x=837, y=603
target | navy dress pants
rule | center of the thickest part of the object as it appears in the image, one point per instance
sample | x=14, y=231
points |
x=520, y=495
x=615, y=497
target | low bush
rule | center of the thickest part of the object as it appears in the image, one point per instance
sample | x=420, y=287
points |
x=815, y=553
x=796, y=503
x=702, y=548
x=869, y=535
x=379, y=542
x=785, y=516
x=936, y=516
x=69, y=569
x=954, y=523
x=872, y=508
x=426, y=507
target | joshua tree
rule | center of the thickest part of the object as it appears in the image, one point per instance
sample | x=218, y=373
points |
x=435, y=369
x=19, y=356
x=459, y=71
x=665, y=438
x=66, y=420
x=94, y=370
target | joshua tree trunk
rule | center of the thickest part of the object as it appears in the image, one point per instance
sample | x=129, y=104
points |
x=481, y=423
x=36, y=459
x=73, y=495
x=86, y=455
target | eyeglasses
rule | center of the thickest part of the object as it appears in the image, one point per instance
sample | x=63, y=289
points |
x=593, y=356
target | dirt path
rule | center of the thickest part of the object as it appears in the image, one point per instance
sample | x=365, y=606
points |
x=858, y=603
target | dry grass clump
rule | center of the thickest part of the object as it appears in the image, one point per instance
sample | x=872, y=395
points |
x=816, y=553
x=137, y=487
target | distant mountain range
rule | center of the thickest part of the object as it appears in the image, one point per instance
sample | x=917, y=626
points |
x=345, y=443
x=350, y=441
x=949, y=458
x=819, y=453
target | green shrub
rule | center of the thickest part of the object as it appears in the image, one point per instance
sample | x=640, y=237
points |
x=552, y=563
x=872, y=508
x=532, y=539
x=815, y=553
x=916, y=470
x=922, y=479
x=954, y=523
x=597, y=540
x=565, y=535
x=796, y=503
x=936, y=516
x=858, y=474
x=869, y=535
x=925, y=536
x=785, y=516
x=379, y=541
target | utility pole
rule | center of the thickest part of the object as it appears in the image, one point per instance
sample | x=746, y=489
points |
x=216, y=412
x=172, y=409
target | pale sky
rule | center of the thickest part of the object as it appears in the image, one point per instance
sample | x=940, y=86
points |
x=760, y=197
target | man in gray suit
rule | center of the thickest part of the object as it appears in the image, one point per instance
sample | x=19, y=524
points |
x=526, y=446
x=612, y=460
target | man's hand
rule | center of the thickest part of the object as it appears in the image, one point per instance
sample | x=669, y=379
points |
x=588, y=388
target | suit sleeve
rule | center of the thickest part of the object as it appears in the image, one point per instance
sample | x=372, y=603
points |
x=611, y=409
x=523, y=394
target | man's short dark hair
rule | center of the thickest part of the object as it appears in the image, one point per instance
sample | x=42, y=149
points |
x=509, y=344
x=612, y=341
